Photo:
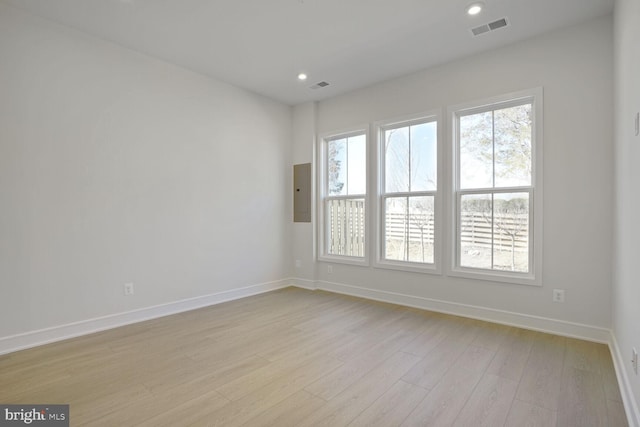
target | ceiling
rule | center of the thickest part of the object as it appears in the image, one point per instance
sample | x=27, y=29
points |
x=262, y=45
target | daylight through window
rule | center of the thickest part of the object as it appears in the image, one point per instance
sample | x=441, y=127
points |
x=409, y=168
x=494, y=195
x=345, y=195
x=478, y=216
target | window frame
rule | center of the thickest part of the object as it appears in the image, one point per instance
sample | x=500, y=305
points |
x=381, y=195
x=323, y=196
x=535, y=190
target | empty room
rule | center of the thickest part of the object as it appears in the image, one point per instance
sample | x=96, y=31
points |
x=319, y=212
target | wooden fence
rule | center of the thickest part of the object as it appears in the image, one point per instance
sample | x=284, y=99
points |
x=476, y=230
x=346, y=223
x=346, y=227
x=414, y=228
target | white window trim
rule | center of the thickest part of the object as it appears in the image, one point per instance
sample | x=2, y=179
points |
x=378, y=191
x=321, y=191
x=534, y=277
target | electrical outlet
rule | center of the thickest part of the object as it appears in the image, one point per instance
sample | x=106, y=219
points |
x=128, y=289
x=634, y=360
x=558, y=295
x=298, y=263
x=329, y=269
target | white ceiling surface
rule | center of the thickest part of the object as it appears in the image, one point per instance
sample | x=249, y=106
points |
x=262, y=45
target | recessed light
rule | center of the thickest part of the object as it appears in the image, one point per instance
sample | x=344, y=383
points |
x=475, y=8
x=302, y=77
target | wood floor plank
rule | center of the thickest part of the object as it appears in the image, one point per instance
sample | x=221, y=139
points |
x=173, y=407
x=337, y=381
x=437, y=330
x=294, y=357
x=346, y=406
x=242, y=342
x=346, y=312
x=378, y=318
x=322, y=342
x=430, y=370
x=443, y=404
x=92, y=406
x=475, y=359
x=490, y=335
x=616, y=416
x=583, y=355
x=445, y=401
x=512, y=355
x=369, y=341
x=277, y=347
x=411, y=319
x=489, y=403
x=611, y=387
x=541, y=380
x=582, y=401
x=360, y=344
x=190, y=413
x=242, y=386
x=523, y=414
x=203, y=376
x=288, y=413
x=392, y=407
x=237, y=413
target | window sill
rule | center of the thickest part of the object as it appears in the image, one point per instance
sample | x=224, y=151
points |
x=338, y=259
x=493, y=276
x=413, y=267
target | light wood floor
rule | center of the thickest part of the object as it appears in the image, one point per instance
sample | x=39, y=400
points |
x=302, y=358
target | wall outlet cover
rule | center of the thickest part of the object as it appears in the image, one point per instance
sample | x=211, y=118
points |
x=128, y=289
x=558, y=295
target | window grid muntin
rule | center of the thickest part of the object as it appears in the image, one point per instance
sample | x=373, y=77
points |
x=327, y=198
x=383, y=223
x=493, y=107
x=492, y=192
x=384, y=194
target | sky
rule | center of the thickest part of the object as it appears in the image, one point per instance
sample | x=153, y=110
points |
x=407, y=149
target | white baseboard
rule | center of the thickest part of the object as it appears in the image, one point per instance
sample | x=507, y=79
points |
x=310, y=285
x=17, y=342
x=537, y=323
x=628, y=398
x=542, y=324
x=22, y=341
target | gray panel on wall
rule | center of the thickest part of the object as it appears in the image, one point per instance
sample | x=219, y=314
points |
x=302, y=192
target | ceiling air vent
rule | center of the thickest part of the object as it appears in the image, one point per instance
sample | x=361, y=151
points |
x=491, y=26
x=320, y=85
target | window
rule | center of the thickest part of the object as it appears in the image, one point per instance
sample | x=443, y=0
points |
x=408, y=171
x=343, y=197
x=497, y=199
x=490, y=227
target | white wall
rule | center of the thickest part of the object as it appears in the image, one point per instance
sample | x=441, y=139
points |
x=574, y=66
x=116, y=167
x=303, y=238
x=626, y=289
